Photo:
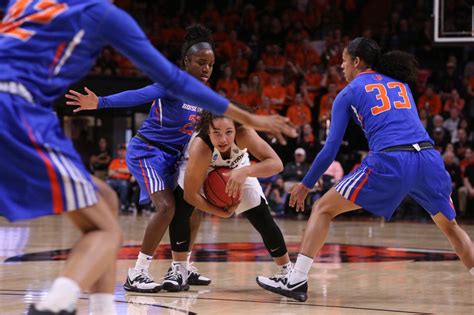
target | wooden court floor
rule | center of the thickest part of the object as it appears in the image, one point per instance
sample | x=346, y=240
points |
x=367, y=267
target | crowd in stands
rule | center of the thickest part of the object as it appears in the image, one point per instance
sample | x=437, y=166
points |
x=284, y=57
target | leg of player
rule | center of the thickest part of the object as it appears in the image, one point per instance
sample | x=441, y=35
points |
x=194, y=277
x=295, y=284
x=458, y=238
x=139, y=279
x=91, y=261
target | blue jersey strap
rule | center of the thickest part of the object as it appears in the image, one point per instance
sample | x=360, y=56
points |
x=132, y=98
x=123, y=33
x=340, y=116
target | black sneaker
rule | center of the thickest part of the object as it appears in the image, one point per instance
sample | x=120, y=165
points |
x=195, y=278
x=280, y=284
x=176, y=279
x=140, y=281
x=33, y=311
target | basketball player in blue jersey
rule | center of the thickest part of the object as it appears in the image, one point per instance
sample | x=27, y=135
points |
x=401, y=162
x=153, y=153
x=45, y=46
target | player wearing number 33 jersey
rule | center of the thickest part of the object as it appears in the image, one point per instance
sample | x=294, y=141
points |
x=401, y=160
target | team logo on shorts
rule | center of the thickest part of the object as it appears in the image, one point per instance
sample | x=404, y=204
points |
x=214, y=158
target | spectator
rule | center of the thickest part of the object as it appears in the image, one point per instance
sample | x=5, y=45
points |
x=466, y=193
x=295, y=171
x=455, y=173
x=454, y=101
x=119, y=177
x=468, y=160
x=326, y=102
x=228, y=83
x=451, y=124
x=430, y=101
x=299, y=112
x=246, y=96
x=276, y=196
x=100, y=159
x=462, y=143
x=275, y=93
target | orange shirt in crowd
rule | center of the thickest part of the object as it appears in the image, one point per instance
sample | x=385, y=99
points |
x=306, y=58
x=274, y=62
x=240, y=67
x=299, y=115
x=264, y=77
x=432, y=104
x=325, y=106
x=229, y=86
x=276, y=94
x=250, y=98
x=117, y=164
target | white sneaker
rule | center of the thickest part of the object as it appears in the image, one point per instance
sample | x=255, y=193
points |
x=176, y=279
x=140, y=281
x=195, y=278
x=280, y=284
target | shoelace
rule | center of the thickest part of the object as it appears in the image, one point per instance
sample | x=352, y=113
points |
x=173, y=273
x=144, y=276
x=192, y=269
x=282, y=274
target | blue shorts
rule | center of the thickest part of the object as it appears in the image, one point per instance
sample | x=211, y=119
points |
x=41, y=172
x=384, y=179
x=153, y=168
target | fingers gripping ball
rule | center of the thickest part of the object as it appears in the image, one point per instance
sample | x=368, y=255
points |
x=214, y=188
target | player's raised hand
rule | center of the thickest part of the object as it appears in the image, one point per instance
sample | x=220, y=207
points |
x=298, y=195
x=87, y=101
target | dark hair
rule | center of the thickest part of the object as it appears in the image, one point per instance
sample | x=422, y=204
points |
x=397, y=64
x=196, y=34
x=207, y=118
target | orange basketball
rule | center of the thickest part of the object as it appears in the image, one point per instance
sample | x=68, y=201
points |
x=214, y=188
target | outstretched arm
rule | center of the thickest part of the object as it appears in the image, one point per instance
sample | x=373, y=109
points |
x=340, y=118
x=90, y=101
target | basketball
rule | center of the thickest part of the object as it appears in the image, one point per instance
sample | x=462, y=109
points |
x=214, y=188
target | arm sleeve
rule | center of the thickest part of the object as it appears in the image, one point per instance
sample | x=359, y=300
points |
x=119, y=30
x=132, y=98
x=340, y=118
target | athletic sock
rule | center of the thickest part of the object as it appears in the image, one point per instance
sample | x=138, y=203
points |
x=62, y=295
x=182, y=269
x=102, y=304
x=143, y=262
x=301, y=269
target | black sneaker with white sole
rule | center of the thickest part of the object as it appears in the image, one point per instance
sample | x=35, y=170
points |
x=280, y=284
x=140, y=281
x=33, y=311
x=195, y=278
x=176, y=279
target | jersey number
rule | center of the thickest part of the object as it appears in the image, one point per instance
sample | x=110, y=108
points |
x=47, y=10
x=189, y=127
x=382, y=96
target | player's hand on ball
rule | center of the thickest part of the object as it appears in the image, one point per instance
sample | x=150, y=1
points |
x=298, y=195
x=235, y=182
x=87, y=101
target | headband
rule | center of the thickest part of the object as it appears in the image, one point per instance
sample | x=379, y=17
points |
x=198, y=46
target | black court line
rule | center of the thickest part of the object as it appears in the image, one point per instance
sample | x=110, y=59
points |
x=117, y=301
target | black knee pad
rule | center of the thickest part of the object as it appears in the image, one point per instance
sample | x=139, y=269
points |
x=180, y=229
x=263, y=222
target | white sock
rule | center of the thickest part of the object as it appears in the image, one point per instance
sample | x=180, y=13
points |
x=102, y=304
x=183, y=269
x=301, y=269
x=189, y=256
x=143, y=262
x=62, y=295
x=472, y=271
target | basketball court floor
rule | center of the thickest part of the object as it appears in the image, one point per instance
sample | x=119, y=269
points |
x=368, y=267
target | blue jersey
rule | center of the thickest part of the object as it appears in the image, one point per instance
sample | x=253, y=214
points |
x=170, y=122
x=46, y=45
x=385, y=110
